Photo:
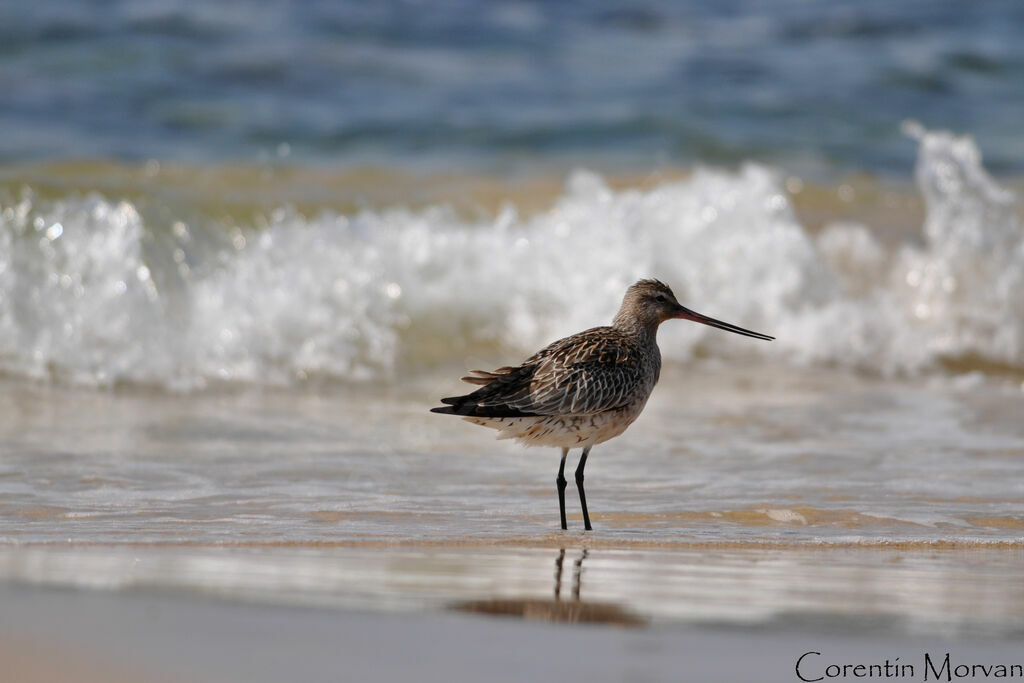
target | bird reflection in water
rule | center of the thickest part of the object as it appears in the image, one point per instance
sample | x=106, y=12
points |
x=574, y=610
x=576, y=574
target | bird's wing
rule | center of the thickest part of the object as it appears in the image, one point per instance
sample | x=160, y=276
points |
x=589, y=372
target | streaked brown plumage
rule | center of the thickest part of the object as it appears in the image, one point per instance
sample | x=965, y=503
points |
x=582, y=390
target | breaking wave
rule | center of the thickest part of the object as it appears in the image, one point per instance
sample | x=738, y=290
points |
x=93, y=293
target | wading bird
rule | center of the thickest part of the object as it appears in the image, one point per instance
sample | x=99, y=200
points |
x=582, y=390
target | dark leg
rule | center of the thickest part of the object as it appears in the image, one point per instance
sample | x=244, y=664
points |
x=561, y=487
x=579, y=485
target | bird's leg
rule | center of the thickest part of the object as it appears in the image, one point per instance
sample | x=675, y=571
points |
x=579, y=485
x=561, y=487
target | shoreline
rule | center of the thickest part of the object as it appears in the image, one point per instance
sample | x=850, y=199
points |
x=554, y=541
x=116, y=638
x=856, y=591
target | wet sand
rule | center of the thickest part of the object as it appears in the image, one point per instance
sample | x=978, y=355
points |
x=854, y=590
x=158, y=637
x=43, y=658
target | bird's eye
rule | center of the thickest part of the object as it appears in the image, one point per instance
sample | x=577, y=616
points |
x=660, y=298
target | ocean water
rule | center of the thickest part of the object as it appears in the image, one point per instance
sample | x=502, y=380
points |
x=243, y=250
x=818, y=86
x=103, y=291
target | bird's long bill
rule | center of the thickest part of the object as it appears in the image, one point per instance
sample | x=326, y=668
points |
x=687, y=314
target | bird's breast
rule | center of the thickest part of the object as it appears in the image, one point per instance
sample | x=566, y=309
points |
x=565, y=431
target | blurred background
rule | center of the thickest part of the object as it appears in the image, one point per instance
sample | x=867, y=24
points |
x=278, y=191
x=815, y=87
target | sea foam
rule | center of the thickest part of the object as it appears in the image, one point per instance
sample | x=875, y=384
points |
x=93, y=293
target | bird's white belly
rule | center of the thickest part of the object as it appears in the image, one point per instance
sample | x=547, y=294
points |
x=563, y=431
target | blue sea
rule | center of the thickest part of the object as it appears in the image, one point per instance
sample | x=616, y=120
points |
x=810, y=86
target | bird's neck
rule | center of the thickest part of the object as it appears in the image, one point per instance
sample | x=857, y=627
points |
x=645, y=331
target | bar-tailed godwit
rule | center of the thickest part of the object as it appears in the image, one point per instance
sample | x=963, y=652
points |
x=582, y=390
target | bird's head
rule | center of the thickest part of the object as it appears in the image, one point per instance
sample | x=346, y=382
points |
x=648, y=303
x=651, y=302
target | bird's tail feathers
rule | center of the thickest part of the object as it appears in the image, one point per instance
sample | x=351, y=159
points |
x=483, y=377
x=447, y=410
x=468, y=406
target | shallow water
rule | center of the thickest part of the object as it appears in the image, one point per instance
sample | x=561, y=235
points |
x=749, y=454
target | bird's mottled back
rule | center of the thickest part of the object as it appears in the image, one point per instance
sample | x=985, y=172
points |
x=591, y=372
